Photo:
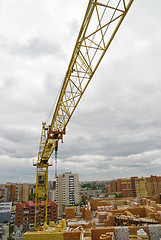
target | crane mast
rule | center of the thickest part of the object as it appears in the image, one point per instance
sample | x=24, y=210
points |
x=101, y=22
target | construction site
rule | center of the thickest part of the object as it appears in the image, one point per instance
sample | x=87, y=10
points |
x=106, y=219
x=100, y=219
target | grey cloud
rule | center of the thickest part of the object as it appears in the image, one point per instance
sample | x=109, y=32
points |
x=118, y=118
x=9, y=83
x=37, y=47
x=18, y=142
x=74, y=26
x=17, y=170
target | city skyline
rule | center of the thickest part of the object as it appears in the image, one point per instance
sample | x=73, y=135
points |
x=95, y=181
x=115, y=131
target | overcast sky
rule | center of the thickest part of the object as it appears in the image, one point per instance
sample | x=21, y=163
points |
x=115, y=131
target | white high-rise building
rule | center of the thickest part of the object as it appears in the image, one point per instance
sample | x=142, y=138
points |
x=67, y=191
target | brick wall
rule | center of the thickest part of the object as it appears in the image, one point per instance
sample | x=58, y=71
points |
x=88, y=214
x=110, y=221
x=140, y=211
x=73, y=235
x=83, y=212
x=97, y=232
x=94, y=203
x=70, y=212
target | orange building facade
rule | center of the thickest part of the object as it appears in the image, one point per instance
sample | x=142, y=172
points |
x=135, y=187
x=15, y=192
x=153, y=185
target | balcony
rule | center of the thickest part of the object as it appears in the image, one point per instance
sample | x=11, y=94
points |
x=26, y=212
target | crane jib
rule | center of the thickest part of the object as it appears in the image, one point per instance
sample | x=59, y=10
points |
x=100, y=25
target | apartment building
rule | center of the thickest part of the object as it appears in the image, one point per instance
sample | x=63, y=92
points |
x=52, y=191
x=125, y=187
x=153, y=185
x=32, y=189
x=15, y=192
x=8, y=192
x=129, y=187
x=22, y=193
x=112, y=187
x=67, y=191
x=138, y=187
x=25, y=214
x=5, y=212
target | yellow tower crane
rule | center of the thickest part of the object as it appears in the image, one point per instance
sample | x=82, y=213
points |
x=101, y=22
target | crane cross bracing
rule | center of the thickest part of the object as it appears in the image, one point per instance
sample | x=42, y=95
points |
x=101, y=22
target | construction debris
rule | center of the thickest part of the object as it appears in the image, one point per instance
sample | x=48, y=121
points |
x=122, y=233
x=155, y=232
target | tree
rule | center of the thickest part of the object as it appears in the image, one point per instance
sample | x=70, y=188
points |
x=10, y=238
x=32, y=196
x=104, y=189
